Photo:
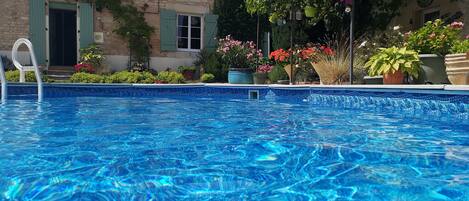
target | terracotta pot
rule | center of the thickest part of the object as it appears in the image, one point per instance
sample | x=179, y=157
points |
x=393, y=78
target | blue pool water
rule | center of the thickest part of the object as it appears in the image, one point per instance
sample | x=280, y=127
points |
x=173, y=148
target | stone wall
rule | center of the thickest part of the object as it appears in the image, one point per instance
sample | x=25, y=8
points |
x=14, y=23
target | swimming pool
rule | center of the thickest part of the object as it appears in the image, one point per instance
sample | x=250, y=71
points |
x=212, y=143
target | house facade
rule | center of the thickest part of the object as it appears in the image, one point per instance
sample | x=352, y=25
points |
x=416, y=12
x=59, y=28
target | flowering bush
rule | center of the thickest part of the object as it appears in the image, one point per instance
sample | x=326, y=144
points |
x=300, y=55
x=84, y=68
x=434, y=37
x=237, y=54
x=264, y=68
x=92, y=55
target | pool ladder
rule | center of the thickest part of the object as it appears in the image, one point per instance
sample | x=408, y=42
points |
x=22, y=69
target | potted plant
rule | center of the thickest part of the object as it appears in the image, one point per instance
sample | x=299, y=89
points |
x=240, y=57
x=393, y=63
x=433, y=41
x=260, y=77
x=300, y=57
x=187, y=71
x=457, y=63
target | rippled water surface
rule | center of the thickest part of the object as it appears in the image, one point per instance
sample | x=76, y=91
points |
x=181, y=149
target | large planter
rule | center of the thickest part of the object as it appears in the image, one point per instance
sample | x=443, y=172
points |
x=433, y=70
x=457, y=68
x=377, y=80
x=240, y=76
x=260, y=78
x=393, y=78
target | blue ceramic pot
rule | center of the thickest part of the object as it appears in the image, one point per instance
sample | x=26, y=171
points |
x=240, y=76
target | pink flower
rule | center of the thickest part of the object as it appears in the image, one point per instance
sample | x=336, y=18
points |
x=467, y=36
x=457, y=25
x=431, y=36
x=264, y=68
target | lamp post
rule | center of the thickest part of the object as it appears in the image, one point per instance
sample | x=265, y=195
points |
x=350, y=8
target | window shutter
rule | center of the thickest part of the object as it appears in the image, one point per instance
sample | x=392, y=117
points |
x=86, y=25
x=168, y=30
x=210, y=31
x=37, y=29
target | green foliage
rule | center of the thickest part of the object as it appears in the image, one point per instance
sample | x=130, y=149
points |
x=131, y=77
x=281, y=36
x=87, y=78
x=278, y=73
x=119, y=77
x=170, y=77
x=93, y=55
x=370, y=15
x=210, y=62
x=242, y=27
x=433, y=38
x=382, y=39
x=461, y=46
x=183, y=69
x=207, y=78
x=132, y=26
x=390, y=60
x=14, y=76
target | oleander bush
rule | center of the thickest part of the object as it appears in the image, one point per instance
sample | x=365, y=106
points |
x=170, y=77
x=131, y=77
x=207, y=78
x=83, y=77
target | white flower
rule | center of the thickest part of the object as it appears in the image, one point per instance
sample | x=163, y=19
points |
x=363, y=44
x=395, y=28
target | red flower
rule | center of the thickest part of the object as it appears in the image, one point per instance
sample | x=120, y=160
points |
x=327, y=50
x=307, y=53
x=279, y=55
x=84, y=68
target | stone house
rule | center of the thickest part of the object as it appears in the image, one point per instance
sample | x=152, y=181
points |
x=416, y=12
x=59, y=28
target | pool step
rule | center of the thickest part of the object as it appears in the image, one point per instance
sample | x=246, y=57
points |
x=60, y=72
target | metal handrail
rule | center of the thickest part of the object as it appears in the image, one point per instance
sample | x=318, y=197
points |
x=3, y=81
x=24, y=69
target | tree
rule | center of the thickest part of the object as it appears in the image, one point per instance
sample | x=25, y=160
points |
x=371, y=15
x=234, y=20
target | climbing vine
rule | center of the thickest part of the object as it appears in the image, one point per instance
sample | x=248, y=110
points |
x=132, y=27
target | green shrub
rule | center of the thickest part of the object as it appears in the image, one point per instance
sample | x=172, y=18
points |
x=207, y=78
x=460, y=47
x=14, y=76
x=278, y=73
x=183, y=69
x=433, y=38
x=86, y=78
x=131, y=77
x=390, y=60
x=211, y=62
x=170, y=77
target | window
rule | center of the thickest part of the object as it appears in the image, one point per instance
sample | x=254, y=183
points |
x=430, y=15
x=189, y=32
